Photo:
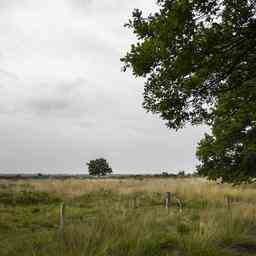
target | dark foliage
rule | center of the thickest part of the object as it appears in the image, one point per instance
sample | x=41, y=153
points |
x=99, y=167
x=199, y=61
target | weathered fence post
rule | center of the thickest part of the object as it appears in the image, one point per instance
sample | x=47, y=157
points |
x=61, y=228
x=229, y=201
x=168, y=200
x=180, y=205
x=135, y=202
x=62, y=218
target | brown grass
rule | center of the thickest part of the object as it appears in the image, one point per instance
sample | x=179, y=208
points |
x=187, y=188
x=97, y=222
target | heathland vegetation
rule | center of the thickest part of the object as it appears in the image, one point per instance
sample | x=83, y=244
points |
x=114, y=217
x=199, y=61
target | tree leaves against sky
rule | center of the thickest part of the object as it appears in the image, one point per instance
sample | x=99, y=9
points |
x=199, y=61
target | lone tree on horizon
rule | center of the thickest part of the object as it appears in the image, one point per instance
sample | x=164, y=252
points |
x=99, y=167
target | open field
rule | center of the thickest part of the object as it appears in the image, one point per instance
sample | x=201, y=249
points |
x=119, y=217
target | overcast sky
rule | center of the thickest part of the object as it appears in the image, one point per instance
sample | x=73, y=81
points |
x=64, y=99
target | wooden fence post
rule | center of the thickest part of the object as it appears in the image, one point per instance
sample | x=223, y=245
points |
x=61, y=228
x=229, y=201
x=135, y=202
x=180, y=205
x=168, y=200
x=62, y=217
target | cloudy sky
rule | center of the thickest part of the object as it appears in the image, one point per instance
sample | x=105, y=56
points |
x=64, y=99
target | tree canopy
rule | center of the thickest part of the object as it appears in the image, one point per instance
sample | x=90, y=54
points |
x=199, y=61
x=99, y=167
x=230, y=152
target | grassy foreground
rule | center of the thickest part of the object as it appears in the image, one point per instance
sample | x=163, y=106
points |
x=126, y=217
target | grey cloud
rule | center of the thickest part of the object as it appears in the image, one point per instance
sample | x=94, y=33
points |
x=49, y=105
x=9, y=3
x=73, y=99
x=63, y=99
x=8, y=74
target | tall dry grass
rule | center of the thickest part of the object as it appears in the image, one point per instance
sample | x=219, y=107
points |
x=187, y=188
x=102, y=219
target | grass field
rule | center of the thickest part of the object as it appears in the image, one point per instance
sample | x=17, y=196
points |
x=124, y=217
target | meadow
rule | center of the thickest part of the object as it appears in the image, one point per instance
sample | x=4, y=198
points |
x=127, y=217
